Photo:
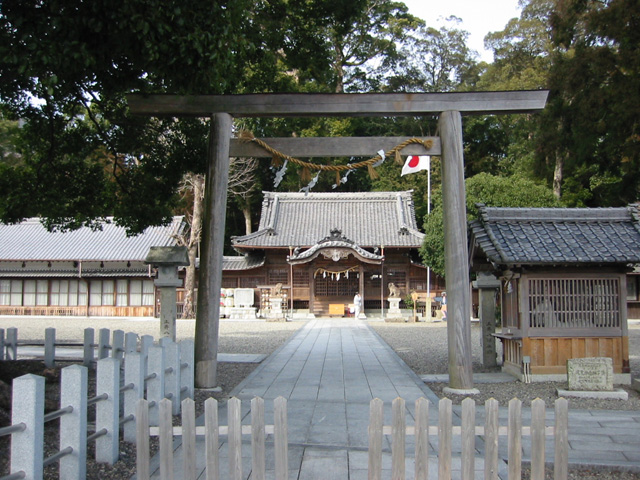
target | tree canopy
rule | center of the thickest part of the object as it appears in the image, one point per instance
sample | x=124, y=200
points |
x=487, y=189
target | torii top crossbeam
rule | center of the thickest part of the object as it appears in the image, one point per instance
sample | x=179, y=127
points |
x=338, y=104
x=447, y=106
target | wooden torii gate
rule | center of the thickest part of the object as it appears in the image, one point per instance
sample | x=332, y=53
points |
x=448, y=106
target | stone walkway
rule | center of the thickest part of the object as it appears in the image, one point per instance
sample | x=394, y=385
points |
x=331, y=369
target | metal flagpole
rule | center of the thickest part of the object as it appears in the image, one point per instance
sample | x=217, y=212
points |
x=428, y=213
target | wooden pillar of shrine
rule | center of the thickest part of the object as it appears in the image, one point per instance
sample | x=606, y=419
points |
x=456, y=253
x=211, y=253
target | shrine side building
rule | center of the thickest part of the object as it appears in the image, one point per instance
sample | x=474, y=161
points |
x=323, y=248
x=565, y=283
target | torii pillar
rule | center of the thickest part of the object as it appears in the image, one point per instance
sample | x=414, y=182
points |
x=449, y=107
x=456, y=256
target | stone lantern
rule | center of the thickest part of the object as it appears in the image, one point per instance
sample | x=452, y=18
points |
x=167, y=260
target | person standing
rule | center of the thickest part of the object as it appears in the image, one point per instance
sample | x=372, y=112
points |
x=357, y=304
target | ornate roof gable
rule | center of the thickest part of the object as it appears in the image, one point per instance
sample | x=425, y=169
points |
x=335, y=247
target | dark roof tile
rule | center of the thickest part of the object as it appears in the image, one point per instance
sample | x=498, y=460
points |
x=558, y=235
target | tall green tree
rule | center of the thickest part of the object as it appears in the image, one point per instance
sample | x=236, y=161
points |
x=523, y=54
x=483, y=188
x=593, y=121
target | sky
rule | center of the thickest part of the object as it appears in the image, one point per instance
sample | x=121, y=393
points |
x=479, y=17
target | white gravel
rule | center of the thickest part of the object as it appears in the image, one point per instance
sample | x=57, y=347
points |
x=423, y=346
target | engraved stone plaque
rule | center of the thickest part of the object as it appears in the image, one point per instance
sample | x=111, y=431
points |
x=243, y=297
x=590, y=374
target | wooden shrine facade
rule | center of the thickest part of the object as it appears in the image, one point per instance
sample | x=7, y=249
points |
x=562, y=283
x=326, y=247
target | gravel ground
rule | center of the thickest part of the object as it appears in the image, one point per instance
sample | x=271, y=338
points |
x=422, y=346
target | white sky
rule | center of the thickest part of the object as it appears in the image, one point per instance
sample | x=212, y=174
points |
x=479, y=17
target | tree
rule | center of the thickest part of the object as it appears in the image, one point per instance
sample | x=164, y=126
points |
x=434, y=60
x=487, y=189
x=66, y=66
x=523, y=55
x=592, y=123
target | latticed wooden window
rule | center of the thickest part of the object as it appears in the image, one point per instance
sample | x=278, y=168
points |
x=229, y=282
x=300, y=278
x=278, y=275
x=251, y=282
x=327, y=286
x=398, y=277
x=574, y=303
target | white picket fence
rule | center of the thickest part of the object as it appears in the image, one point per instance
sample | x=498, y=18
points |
x=443, y=429
x=155, y=371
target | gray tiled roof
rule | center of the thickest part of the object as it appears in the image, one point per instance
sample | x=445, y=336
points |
x=242, y=262
x=29, y=240
x=560, y=236
x=370, y=219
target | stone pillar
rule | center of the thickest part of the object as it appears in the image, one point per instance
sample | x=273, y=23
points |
x=488, y=285
x=167, y=260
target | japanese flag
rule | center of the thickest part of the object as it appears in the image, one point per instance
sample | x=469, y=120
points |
x=416, y=163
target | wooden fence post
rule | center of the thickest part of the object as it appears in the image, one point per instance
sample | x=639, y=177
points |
x=235, y=438
x=422, y=439
x=165, y=439
x=537, y=439
x=398, y=435
x=445, y=431
x=172, y=373
x=142, y=440
x=281, y=444
x=491, y=435
x=376, y=416
x=130, y=343
x=514, y=442
x=73, y=425
x=188, y=409
x=187, y=368
x=561, y=433
x=27, y=407
x=468, y=434
x=117, y=344
x=211, y=438
x=257, y=439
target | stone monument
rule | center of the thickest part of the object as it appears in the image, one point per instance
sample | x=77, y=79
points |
x=243, y=308
x=591, y=378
